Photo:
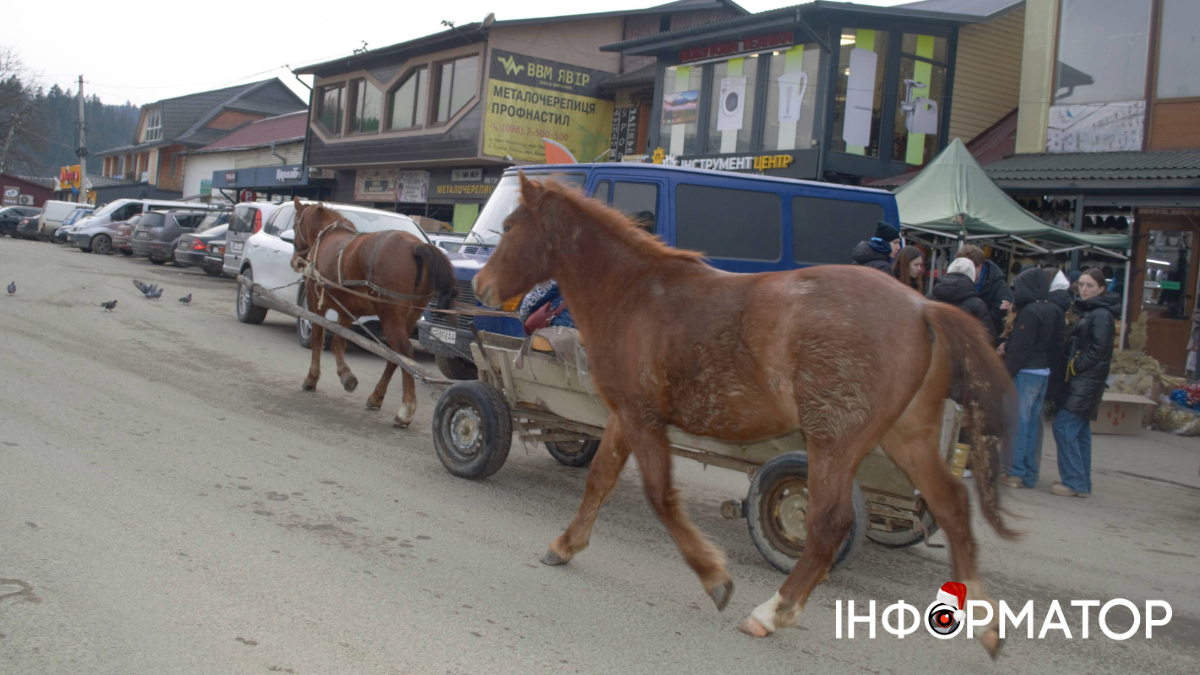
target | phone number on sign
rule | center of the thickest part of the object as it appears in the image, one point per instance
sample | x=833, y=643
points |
x=539, y=133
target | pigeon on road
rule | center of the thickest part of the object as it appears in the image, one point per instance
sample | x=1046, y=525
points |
x=141, y=287
x=148, y=290
x=187, y=300
x=156, y=293
x=108, y=306
x=12, y=287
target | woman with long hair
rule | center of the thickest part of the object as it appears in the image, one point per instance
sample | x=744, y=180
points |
x=908, y=267
x=1088, y=357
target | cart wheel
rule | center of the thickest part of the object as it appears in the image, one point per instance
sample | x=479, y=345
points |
x=775, y=510
x=906, y=537
x=573, y=453
x=472, y=429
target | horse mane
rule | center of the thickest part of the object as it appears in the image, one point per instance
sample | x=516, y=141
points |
x=618, y=225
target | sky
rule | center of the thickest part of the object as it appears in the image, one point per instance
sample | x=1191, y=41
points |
x=141, y=51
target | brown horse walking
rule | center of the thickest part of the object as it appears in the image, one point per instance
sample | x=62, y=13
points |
x=409, y=271
x=846, y=355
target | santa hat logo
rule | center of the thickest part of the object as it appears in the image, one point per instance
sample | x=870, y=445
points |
x=954, y=594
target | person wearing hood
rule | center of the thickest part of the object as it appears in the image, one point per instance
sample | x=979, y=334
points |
x=1030, y=354
x=990, y=282
x=878, y=251
x=1060, y=289
x=957, y=288
x=1088, y=357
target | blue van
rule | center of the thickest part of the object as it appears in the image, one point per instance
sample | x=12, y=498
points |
x=742, y=223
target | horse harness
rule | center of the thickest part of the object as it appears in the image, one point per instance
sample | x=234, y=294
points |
x=310, y=269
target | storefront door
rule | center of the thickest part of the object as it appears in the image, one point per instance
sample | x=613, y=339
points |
x=1165, y=288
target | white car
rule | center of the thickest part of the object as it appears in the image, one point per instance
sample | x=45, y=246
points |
x=266, y=259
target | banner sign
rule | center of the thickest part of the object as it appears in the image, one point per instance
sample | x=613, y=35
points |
x=757, y=43
x=69, y=177
x=391, y=185
x=624, y=133
x=530, y=99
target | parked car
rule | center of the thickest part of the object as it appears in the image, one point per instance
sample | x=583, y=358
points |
x=78, y=215
x=158, y=232
x=741, y=222
x=53, y=214
x=268, y=256
x=248, y=219
x=204, y=248
x=450, y=243
x=11, y=215
x=27, y=228
x=122, y=241
x=96, y=233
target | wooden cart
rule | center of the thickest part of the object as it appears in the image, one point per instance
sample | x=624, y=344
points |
x=549, y=398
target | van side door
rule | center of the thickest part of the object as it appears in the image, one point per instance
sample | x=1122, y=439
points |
x=241, y=226
x=643, y=200
x=736, y=223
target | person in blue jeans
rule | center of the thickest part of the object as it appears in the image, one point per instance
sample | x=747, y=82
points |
x=1088, y=358
x=1031, y=353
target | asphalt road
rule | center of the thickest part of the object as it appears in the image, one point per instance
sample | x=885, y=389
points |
x=172, y=502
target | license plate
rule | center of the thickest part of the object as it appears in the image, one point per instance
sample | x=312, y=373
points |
x=444, y=334
x=237, y=247
x=142, y=235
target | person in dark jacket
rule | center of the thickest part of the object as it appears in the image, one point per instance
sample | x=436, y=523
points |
x=990, y=282
x=1060, y=288
x=1088, y=357
x=878, y=251
x=1030, y=354
x=958, y=288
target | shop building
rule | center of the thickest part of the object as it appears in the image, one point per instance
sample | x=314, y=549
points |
x=25, y=190
x=826, y=90
x=1106, y=142
x=426, y=127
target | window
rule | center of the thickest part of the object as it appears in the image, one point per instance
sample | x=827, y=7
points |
x=789, y=127
x=368, y=102
x=1179, y=49
x=171, y=163
x=153, y=131
x=639, y=201
x=919, y=99
x=731, y=106
x=456, y=87
x=331, y=108
x=279, y=222
x=825, y=231
x=858, y=102
x=408, y=102
x=1165, y=290
x=601, y=193
x=1102, y=51
x=728, y=223
x=681, y=110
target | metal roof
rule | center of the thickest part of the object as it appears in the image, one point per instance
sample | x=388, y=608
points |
x=658, y=42
x=991, y=9
x=1091, y=166
x=282, y=129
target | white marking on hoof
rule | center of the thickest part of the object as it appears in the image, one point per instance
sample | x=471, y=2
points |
x=406, y=414
x=331, y=314
x=764, y=614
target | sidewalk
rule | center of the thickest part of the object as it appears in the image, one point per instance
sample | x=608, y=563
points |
x=1153, y=455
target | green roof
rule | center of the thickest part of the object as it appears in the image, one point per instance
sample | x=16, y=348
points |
x=1091, y=166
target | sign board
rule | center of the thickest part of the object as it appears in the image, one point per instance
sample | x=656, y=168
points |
x=530, y=99
x=757, y=43
x=447, y=185
x=247, y=196
x=69, y=177
x=12, y=196
x=231, y=177
x=624, y=133
x=261, y=178
x=466, y=175
x=205, y=186
x=391, y=185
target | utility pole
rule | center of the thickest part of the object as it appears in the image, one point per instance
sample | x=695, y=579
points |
x=8, y=139
x=81, y=149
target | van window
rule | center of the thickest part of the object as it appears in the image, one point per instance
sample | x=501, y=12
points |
x=825, y=231
x=280, y=221
x=243, y=219
x=639, y=201
x=729, y=223
x=601, y=193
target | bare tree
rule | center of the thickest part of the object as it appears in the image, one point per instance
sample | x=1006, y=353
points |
x=23, y=104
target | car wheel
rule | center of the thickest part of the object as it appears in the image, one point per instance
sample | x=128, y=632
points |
x=304, y=326
x=101, y=244
x=126, y=252
x=157, y=261
x=211, y=272
x=247, y=312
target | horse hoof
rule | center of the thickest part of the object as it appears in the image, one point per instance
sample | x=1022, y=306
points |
x=721, y=594
x=990, y=639
x=350, y=382
x=308, y=386
x=553, y=559
x=753, y=628
x=372, y=405
x=400, y=424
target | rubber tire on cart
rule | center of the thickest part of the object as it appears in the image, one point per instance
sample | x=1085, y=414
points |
x=905, y=538
x=101, y=244
x=782, y=484
x=573, y=453
x=247, y=311
x=472, y=429
x=126, y=252
x=211, y=272
x=456, y=368
x=303, y=336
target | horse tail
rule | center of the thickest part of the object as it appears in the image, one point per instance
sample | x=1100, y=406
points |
x=441, y=273
x=988, y=399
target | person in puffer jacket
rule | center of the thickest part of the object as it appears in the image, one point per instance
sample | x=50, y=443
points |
x=878, y=251
x=1088, y=357
x=957, y=288
x=1031, y=354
